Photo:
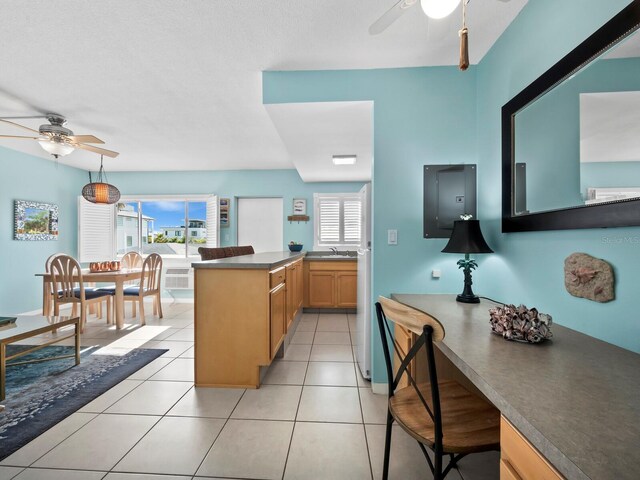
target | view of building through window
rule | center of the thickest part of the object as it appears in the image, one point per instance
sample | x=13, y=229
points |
x=167, y=227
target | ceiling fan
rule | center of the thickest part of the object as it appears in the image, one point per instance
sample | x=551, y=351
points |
x=56, y=139
x=432, y=8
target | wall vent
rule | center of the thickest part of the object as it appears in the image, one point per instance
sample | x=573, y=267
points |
x=178, y=279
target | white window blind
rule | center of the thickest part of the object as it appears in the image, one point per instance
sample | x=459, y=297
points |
x=213, y=224
x=337, y=219
x=96, y=231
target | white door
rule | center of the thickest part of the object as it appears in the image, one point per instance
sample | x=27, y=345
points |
x=364, y=312
x=261, y=223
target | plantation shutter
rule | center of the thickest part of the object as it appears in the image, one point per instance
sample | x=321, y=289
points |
x=213, y=224
x=351, y=222
x=337, y=219
x=96, y=231
x=329, y=221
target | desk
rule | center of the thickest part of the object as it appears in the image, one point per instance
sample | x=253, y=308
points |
x=575, y=398
x=119, y=278
x=30, y=326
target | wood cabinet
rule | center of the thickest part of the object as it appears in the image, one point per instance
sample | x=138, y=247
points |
x=519, y=460
x=294, y=291
x=277, y=302
x=332, y=284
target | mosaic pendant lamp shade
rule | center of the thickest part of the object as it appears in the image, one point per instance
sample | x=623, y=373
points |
x=100, y=191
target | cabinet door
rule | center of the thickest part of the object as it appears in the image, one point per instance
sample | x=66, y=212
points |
x=290, y=286
x=322, y=288
x=347, y=289
x=277, y=299
x=300, y=284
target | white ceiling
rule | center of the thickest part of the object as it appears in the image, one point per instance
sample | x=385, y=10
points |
x=176, y=84
x=314, y=132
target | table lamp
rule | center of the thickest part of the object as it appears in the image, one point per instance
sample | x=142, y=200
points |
x=467, y=238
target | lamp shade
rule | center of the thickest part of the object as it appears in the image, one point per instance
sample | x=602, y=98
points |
x=467, y=238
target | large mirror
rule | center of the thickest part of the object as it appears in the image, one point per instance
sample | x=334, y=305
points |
x=571, y=140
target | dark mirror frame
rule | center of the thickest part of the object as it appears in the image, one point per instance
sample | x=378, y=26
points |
x=621, y=213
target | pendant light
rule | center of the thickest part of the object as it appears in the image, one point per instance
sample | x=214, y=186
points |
x=100, y=191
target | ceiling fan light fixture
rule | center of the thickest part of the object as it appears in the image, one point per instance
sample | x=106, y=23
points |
x=55, y=147
x=437, y=9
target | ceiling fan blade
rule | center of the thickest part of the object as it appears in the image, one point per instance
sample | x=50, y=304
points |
x=19, y=136
x=85, y=139
x=98, y=150
x=19, y=126
x=390, y=16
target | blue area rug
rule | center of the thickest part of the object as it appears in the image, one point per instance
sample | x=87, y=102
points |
x=39, y=395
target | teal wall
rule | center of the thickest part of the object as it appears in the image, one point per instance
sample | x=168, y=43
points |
x=609, y=174
x=441, y=115
x=237, y=183
x=421, y=116
x=26, y=177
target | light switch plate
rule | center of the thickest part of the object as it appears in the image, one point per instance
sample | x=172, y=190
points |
x=392, y=237
x=436, y=273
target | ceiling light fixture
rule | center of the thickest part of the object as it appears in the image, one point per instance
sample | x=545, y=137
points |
x=344, y=159
x=100, y=191
x=437, y=9
x=55, y=146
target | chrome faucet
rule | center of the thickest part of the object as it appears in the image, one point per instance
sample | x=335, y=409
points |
x=334, y=250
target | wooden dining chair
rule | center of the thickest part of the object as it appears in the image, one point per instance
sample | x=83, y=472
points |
x=68, y=287
x=442, y=415
x=149, y=286
x=132, y=260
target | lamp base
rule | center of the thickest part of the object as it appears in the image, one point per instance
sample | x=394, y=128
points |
x=462, y=298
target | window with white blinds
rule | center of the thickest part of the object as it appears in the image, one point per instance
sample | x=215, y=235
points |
x=138, y=224
x=337, y=219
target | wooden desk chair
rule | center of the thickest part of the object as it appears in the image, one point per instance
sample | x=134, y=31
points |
x=149, y=285
x=441, y=415
x=68, y=287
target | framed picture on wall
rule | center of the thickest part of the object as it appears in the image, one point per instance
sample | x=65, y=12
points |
x=35, y=221
x=299, y=206
x=224, y=212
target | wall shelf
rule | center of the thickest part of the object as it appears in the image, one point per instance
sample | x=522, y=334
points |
x=298, y=218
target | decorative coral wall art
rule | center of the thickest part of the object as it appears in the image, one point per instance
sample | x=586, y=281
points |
x=589, y=277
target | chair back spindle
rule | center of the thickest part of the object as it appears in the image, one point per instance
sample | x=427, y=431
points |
x=151, y=273
x=64, y=269
x=131, y=260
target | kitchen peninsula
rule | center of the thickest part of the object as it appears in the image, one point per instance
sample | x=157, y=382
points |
x=244, y=307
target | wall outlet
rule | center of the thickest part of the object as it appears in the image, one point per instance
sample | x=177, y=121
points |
x=392, y=237
x=436, y=273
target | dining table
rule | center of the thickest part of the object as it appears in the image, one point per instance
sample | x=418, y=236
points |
x=117, y=277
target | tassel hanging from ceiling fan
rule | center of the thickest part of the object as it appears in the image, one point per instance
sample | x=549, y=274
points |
x=464, y=39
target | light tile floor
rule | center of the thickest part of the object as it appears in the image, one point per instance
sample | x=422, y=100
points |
x=315, y=417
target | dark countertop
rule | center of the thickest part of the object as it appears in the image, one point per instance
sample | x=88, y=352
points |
x=267, y=260
x=575, y=398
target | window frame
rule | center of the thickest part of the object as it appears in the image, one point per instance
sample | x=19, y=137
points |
x=341, y=197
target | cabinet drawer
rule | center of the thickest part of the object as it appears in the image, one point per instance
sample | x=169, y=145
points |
x=334, y=266
x=507, y=472
x=277, y=277
x=525, y=460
